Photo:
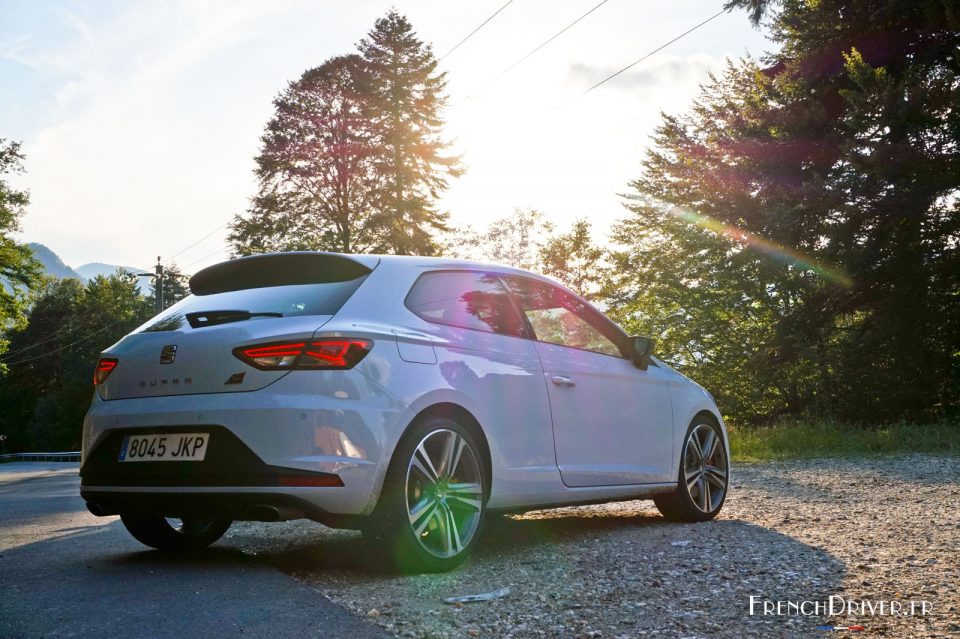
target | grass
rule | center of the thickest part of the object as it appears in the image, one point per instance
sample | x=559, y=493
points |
x=797, y=440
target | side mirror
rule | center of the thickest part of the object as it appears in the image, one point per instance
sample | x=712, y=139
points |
x=642, y=350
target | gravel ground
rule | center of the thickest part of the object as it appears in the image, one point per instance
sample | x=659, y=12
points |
x=874, y=529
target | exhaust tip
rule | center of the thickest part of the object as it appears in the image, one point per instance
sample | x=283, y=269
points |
x=263, y=513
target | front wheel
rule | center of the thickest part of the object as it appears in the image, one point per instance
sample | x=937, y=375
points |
x=703, y=476
x=433, y=500
x=162, y=533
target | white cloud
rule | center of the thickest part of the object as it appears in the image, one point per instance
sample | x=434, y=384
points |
x=674, y=74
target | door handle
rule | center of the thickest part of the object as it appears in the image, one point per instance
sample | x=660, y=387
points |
x=560, y=380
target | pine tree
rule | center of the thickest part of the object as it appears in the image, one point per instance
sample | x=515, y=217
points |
x=406, y=100
x=828, y=175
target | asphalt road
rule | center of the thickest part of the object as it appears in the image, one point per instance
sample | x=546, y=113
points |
x=66, y=573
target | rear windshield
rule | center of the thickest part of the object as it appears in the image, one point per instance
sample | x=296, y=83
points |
x=286, y=301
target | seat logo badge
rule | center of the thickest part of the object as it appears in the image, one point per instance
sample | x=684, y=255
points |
x=168, y=354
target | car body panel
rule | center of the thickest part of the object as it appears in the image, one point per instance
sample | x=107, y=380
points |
x=203, y=361
x=612, y=422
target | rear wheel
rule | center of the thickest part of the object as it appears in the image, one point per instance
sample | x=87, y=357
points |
x=165, y=533
x=433, y=500
x=704, y=472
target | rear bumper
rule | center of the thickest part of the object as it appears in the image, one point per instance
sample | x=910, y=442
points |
x=306, y=425
x=252, y=504
x=230, y=463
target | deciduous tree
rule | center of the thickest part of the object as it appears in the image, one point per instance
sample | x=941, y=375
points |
x=515, y=240
x=316, y=169
x=19, y=272
x=574, y=259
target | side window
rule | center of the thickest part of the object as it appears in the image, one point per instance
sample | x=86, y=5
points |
x=466, y=300
x=559, y=318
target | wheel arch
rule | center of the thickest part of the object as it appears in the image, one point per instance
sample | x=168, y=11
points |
x=465, y=418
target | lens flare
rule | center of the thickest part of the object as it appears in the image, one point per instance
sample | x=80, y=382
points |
x=766, y=247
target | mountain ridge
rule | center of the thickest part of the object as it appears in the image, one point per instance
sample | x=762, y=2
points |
x=56, y=267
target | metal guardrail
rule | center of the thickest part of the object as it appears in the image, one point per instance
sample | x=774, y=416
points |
x=69, y=456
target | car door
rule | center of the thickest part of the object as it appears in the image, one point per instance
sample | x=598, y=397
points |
x=612, y=422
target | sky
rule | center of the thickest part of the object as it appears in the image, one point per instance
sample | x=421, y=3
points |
x=140, y=119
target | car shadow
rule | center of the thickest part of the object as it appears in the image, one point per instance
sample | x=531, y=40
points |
x=555, y=534
x=547, y=553
x=700, y=575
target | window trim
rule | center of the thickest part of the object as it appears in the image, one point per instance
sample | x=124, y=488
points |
x=527, y=329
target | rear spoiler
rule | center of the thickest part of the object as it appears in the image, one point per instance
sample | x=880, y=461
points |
x=281, y=269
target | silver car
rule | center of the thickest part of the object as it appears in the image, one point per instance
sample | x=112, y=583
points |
x=403, y=396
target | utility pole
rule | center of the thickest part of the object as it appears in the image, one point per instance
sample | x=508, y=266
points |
x=158, y=284
x=159, y=295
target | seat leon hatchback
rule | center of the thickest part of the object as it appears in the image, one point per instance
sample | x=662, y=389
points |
x=406, y=397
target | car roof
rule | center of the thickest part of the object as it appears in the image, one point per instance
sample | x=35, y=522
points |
x=366, y=261
x=441, y=263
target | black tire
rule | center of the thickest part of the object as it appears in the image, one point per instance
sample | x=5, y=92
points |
x=157, y=532
x=390, y=530
x=696, y=499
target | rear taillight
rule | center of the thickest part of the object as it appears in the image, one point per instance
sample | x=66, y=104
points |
x=104, y=367
x=322, y=354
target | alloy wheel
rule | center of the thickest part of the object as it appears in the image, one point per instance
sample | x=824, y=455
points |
x=444, y=493
x=705, y=468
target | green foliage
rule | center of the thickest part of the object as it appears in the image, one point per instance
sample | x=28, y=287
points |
x=702, y=301
x=810, y=439
x=574, y=259
x=527, y=240
x=798, y=226
x=19, y=272
x=353, y=158
x=514, y=240
x=45, y=378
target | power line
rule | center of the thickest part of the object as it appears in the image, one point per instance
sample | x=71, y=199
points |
x=184, y=250
x=540, y=46
x=65, y=329
x=66, y=346
x=470, y=35
x=206, y=257
x=641, y=59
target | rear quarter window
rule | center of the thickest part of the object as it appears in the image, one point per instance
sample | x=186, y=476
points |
x=465, y=299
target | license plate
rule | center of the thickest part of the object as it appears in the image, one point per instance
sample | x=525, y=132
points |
x=173, y=447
